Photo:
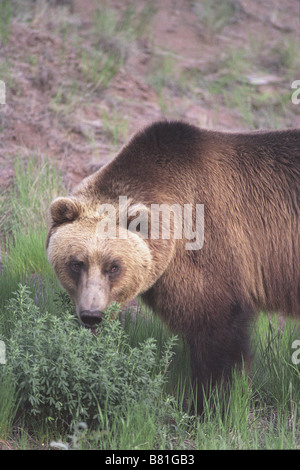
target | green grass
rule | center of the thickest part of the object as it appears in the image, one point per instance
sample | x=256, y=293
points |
x=24, y=223
x=214, y=15
x=233, y=85
x=115, y=128
x=112, y=37
x=5, y=19
x=262, y=412
x=9, y=404
x=277, y=379
x=99, y=68
x=168, y=81
x=117, y=32
x=263, y=409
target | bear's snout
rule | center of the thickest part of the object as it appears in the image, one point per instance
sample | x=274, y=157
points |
x=91, y=318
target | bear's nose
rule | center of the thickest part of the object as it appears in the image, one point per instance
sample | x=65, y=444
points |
x=91, y=317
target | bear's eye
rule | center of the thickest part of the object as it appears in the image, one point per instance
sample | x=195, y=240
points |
x=76, y=266
x=113, y=269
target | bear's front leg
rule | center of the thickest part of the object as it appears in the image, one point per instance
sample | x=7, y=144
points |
x=215, y=350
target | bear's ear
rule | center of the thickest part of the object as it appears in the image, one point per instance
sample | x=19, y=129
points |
x=138, y=218
x=65, y=209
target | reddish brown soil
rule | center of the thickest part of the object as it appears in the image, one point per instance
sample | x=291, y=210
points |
x=39, y=60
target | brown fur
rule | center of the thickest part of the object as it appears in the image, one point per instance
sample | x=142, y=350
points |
x=250, y=187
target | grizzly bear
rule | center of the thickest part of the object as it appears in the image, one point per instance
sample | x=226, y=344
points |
x=238, y=195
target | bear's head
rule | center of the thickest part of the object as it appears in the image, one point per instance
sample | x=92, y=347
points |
x=97, y=268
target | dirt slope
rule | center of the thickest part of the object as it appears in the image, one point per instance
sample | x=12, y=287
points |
x=82, y=76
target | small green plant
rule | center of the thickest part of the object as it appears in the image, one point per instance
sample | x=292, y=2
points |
x=284, y=57
x=215, y=15
x=162, y=75
x=117, y=32
x=113, y=38
x=99, y=68
x=115, y=127
x=168, y=81
x=64, y=373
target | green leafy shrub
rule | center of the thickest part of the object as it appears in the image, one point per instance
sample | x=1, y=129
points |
x=65, y=373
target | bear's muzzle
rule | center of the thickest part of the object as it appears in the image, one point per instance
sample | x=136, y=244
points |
x=91, y=318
